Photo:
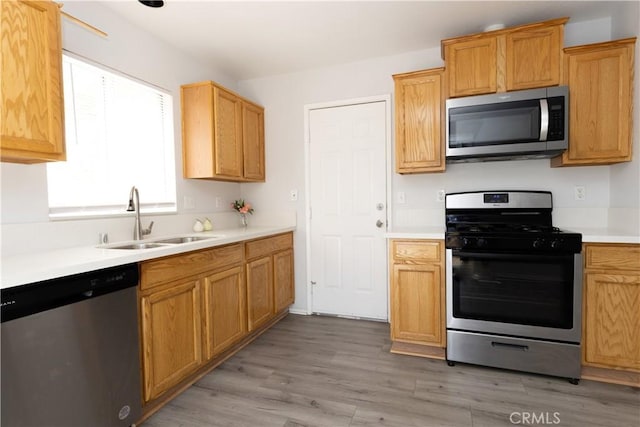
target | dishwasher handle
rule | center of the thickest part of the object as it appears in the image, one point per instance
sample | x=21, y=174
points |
x=25, y=300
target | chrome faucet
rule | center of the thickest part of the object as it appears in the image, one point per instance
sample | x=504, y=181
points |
x=138, y=231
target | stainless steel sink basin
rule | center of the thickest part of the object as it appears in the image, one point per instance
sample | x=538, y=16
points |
x=185, y=239
x=159, y=243
x=145, y=245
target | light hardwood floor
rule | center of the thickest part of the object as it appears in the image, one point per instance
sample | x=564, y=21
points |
x=324, y=371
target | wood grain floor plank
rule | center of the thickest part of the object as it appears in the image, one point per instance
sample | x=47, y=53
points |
x=326, y=371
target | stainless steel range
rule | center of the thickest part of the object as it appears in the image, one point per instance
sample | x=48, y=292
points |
x=513, y=284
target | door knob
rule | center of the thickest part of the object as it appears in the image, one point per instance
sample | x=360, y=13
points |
x=379, y=223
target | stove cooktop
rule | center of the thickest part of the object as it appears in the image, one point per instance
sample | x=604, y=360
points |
x=505, y=221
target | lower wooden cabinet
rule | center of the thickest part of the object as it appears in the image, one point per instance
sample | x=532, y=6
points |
x=416, y=314
x=225, y=319
x=196, y=307
x=283, y=281
x=171, y=335
x=270, y=283
x=417, y=297
x=610, y=315
x=611, y=318
x=259, y=291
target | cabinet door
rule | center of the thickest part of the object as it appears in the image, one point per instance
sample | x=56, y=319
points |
x=227, y=109
x=253, y=141
x=225, y=314
x=419, y=115
x=600, y=79
x=533, y=57
x=283, y=282
x=32, y=121
x=612, y=320
x=472, y=66
x=259, y=292
x=171, y=340
x=416, y=304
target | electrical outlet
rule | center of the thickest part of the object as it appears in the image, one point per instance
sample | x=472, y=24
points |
x=440, y=196
x=400, y=198
x=293, y=195
x=218, y=202
x=189, y=203
x=579, y=192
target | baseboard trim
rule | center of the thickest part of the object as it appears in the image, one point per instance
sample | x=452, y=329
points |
x=613, y=376
x=410, y=349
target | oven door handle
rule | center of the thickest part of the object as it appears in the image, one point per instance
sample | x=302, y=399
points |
x=509, y=345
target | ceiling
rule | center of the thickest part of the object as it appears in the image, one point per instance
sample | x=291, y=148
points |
x=255, y=39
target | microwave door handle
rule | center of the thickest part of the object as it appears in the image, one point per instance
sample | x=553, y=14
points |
x=544, y=119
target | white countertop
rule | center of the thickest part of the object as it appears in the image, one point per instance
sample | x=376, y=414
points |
x=34, y=267
x=589, y=235
x=605, y=235
x=436, y=233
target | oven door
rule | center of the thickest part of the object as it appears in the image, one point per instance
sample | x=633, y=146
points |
x=515, y=294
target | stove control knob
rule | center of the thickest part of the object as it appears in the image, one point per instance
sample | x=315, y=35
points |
x=538, y=243
x=557, y=244
x=482, y=243
x=466, y=242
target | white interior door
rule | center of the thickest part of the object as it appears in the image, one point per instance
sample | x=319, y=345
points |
x=347, y=184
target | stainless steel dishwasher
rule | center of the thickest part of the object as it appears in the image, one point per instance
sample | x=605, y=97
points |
x=70, y=352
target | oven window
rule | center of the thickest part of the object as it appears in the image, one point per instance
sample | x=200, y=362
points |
x=524, y=289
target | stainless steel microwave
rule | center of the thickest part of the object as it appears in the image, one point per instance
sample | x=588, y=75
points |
x=522, y=124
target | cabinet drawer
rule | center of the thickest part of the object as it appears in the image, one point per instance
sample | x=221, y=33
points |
x=416, y=251
x=262, y=247
x=156, y=272
x=619, y=257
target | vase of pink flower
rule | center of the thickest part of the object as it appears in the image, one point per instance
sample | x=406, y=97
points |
x=243, y=208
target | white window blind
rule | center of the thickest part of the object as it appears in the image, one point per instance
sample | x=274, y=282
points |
x=119, y=133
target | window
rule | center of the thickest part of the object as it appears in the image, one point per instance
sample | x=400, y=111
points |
x=119, y=133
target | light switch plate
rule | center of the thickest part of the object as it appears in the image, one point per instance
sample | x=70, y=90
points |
x=293, y=195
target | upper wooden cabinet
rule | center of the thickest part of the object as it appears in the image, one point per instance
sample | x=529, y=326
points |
x=32, y=107
x=419, y=115
x=522, y=57
x=253, y=141
x=600, y=80
x=222, y=134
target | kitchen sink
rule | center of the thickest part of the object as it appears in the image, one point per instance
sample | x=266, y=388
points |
x=145, y=245
x=159, y=243
x=185, y=239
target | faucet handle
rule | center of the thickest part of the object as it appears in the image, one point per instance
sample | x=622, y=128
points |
x=147, y=230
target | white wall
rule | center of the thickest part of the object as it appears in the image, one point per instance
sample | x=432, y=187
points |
x=135, y=52
x=625, y=178
x=285, y=96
